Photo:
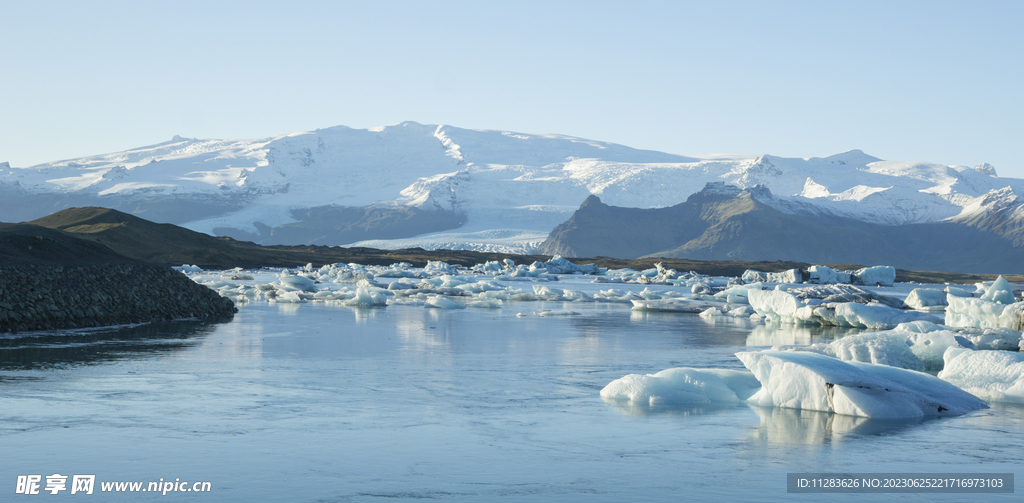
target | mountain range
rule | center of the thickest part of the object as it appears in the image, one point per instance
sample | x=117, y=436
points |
x=439, y=186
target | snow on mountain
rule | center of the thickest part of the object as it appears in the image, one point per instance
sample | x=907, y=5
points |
x=512, y=187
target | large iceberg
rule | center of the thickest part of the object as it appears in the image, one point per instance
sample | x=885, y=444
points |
x=996, y=376
x=683, y=386
x=810, y=381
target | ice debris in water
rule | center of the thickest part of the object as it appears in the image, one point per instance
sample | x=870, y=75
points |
x=996, y=376
x=682, y=386
x=805, y=380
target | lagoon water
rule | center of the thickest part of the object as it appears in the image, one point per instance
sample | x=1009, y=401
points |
x=318, y=403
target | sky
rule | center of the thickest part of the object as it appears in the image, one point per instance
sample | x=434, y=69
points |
x=908, y=81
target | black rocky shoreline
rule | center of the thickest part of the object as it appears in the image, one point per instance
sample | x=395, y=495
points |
x=47, y=297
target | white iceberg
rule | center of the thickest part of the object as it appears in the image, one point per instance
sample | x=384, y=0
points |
x=810, y=381
x=996, y=376
x=683, y=386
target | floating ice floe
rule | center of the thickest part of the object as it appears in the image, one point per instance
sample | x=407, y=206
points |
x=805, y=380
x=683, y=386
x=996, y=376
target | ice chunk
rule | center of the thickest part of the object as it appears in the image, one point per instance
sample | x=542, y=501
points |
x=805, y=380
x=925, y=298
x=365, y=297
x=683, y=386
x=710, y=312
x=297, y=282
x=981, y=313
x=1000, y=292
x=881, y=275
x=288, y=298
x=996, y=376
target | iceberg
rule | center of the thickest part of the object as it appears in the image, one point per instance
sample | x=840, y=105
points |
x=996, y=376
x=683, y=386
x=810, y=381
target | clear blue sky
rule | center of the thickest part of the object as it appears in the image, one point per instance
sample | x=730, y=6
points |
x=913, y=81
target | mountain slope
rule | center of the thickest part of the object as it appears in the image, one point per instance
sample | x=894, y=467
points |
x=723, y=224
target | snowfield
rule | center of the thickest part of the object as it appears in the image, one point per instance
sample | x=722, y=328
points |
x=512, y=187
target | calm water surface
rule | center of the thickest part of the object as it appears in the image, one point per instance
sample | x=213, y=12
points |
x=320, y=403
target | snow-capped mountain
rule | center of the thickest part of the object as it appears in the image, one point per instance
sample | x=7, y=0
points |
x=506, y=189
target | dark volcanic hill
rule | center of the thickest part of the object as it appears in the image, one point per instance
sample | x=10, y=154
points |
x=724, y=223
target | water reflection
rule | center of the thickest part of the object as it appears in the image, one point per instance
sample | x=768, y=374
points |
x=797, y=426
x=777, y=334
x=670, y=409
x=56, y=349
